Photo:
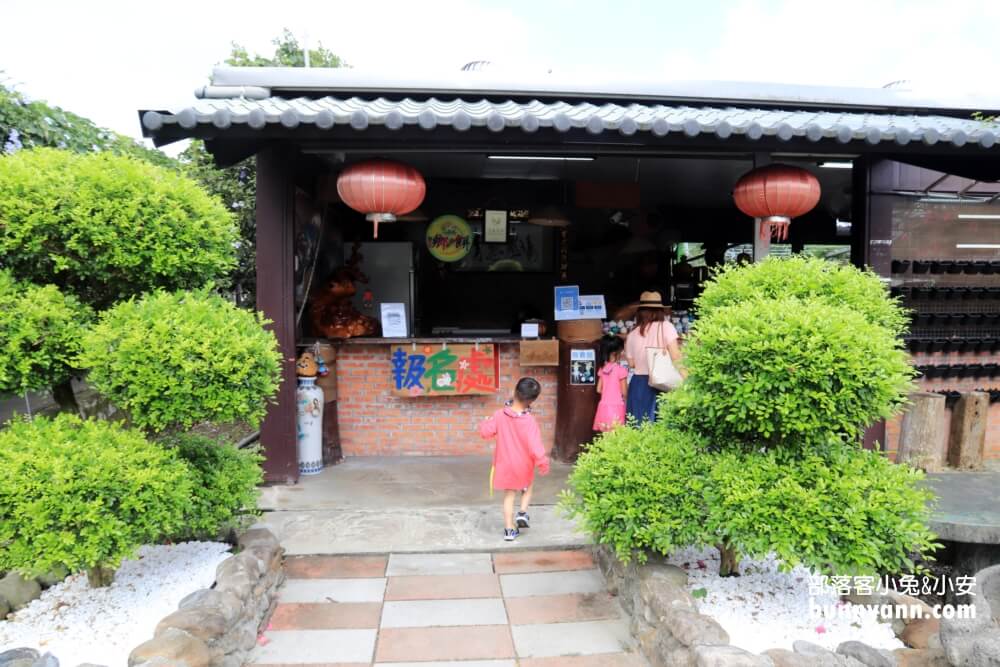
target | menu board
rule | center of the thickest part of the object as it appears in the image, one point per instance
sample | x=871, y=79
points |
x=441, y=369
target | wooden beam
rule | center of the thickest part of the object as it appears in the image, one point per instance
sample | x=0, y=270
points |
x=275, y=297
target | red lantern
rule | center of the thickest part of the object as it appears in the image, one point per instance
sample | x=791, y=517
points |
x=776, y=194
x=381, y=189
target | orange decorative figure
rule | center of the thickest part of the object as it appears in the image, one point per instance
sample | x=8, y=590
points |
x=333, y=313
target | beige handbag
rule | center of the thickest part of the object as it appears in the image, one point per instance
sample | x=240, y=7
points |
x=662, y=373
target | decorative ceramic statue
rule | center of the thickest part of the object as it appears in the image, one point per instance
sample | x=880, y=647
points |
x=333, y=314
x=309, y=408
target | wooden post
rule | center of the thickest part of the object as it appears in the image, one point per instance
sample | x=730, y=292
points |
x=968, y=431
x=275, y=288
x=922, y=437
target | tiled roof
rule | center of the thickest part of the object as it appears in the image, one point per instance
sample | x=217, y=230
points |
x=626, y=119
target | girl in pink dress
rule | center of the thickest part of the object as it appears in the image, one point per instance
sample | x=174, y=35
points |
x=518, y=452
x=612, y=385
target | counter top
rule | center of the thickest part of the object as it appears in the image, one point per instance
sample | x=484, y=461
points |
x=430, y=340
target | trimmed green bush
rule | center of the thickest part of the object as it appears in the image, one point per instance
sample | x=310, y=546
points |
x=225, y=484
x=84, y=494
x=641, y=490
x=40, y=331
x=789, y=373
x=805, y=278
x=107, y=227
x=174, y=360
x=842, y=511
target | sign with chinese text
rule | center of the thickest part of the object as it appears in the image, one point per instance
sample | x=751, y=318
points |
x=449, y=238
x=495, y=227
x=444, y=370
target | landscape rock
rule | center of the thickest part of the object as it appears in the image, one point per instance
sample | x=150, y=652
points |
x=865, y=654
x=19, y=657
x=50, y=579
x=256, y=537
x=911, y=657
x=975, y=642
x=917, y=609
x=174, y=645
x=4, y=608
x=728, y=656
x=821, y=657
x=694, y=629
x=785, y=658
x=18, y=591
x=205, y=623
x=224, y=602
x=924, y=633
x=47, y=660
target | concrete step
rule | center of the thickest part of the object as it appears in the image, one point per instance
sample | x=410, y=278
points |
x=458, y=529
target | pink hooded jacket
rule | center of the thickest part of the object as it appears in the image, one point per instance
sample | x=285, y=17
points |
x=519, y=448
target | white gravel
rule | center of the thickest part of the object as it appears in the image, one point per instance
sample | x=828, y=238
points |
x=77, y=623
x=764, y=608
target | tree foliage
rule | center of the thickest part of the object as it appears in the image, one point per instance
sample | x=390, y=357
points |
x=173, y=360
x=237, y=185
x=40, y=331
x=106, y=227
x=84, y=494
x=28, y=123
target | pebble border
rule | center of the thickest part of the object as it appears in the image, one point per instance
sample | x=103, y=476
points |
x=219, y=626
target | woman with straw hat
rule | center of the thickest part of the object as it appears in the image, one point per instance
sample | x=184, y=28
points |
x=652, y=330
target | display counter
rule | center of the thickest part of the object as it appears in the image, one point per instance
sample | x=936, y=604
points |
x=403, y=396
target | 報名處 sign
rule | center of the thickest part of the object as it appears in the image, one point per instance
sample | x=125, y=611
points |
x=443, y=370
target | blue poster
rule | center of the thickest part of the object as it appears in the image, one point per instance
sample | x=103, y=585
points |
x=568, y=302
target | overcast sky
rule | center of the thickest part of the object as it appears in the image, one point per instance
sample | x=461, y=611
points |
x=105, y=59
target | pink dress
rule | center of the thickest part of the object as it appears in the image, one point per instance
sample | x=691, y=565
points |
x=611, y=409
x=519, y=448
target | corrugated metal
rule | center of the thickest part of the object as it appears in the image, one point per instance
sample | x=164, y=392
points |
x=659, y=120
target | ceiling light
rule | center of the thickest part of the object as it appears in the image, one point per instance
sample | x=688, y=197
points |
x=836, y=165
x=978, y=246
x=978, y=216
x=542, y=157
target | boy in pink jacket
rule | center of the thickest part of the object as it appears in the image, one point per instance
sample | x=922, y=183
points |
x=518, y=452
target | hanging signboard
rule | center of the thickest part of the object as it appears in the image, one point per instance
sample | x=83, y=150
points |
x=582, y=366
x=444, y=370
x=449, y=238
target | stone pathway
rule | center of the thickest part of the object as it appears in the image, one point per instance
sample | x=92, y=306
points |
x=529, y=608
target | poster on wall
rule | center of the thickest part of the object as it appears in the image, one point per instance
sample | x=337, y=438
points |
x=592, y=307
x=449, y=238
x=444, y=370
x=567, y=300
x=582, y=366
x=495, y=227
x=393, y=320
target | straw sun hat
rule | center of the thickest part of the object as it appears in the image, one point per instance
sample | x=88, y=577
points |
x=646, y=300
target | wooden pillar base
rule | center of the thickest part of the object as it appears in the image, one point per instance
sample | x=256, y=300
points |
x=968, y=431
x=922, y=437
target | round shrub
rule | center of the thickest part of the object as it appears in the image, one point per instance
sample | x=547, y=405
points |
x=40, y=331
x=844, y=511
x=640, y=490
x=83, y=494
x=806, y=278
x=107, y=227
x=224, y=484
x=176, y=359
x=788, y=372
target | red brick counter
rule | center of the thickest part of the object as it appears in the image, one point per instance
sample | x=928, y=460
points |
x=374, y=422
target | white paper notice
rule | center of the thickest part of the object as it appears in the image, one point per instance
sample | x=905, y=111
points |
x=529, y=330
x=393, y=320
x=592, y=307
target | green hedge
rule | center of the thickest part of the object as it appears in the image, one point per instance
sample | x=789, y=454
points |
x=107, y=227
x=40, y=332
x=84, y=494
x=175, y=360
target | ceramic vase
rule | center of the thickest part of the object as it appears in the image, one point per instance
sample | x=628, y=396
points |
x=309, y=403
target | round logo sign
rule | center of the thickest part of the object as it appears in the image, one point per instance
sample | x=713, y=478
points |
x=449, y=238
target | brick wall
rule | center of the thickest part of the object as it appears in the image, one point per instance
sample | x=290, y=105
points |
x=373, y=422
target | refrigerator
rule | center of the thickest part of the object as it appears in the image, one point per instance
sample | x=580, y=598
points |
x=391, y=278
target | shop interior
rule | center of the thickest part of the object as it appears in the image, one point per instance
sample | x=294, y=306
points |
x=613, y=225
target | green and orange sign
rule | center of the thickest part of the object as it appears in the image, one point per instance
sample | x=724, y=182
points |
x=449, y=238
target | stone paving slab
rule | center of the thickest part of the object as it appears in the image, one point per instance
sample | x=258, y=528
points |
x=543, y=561
x=561, y=639
x=453, y=663
x=461, y=643
x=316, y=646
x=326, y=616
x=562, y=608
x=332, y=590
x=443, y=587
x=602, y=660
x=432, y=564
x=415, y=530
x=335, y=567
x=551, y=583
x=431, y=613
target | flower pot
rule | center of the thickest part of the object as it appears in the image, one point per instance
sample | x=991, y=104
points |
x=939, y=344
x=956, y=266
x=972, y=268
x=309, y=402
x=900, y=265
x=921, y=266
x=938, y=266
